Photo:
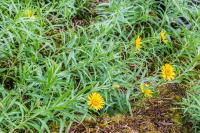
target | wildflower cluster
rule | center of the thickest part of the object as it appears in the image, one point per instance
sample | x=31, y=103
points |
x=138, y=40
x=96, y=101
x=168, y=72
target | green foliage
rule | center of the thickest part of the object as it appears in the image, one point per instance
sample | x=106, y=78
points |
x=191, y=105
x=49, y=65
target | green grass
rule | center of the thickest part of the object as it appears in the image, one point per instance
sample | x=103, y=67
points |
x=191, y=107
x=49, y=65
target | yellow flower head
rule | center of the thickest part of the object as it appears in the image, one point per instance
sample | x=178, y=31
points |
x=145, y=90
x=138, y=42
x=168, y=72
x=95, y=101
x=163, y=37
x=29, y=14
x=148, y=93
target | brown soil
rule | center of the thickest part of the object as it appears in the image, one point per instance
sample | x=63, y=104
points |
x=157, y=115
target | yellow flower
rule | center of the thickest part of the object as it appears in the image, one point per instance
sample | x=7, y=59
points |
x=138, y=42
x=168, y=72
x=145, y=90
x=29, y=14
x=142, y=86
x=148, y=93
x=95, y=101
x=163, y=37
